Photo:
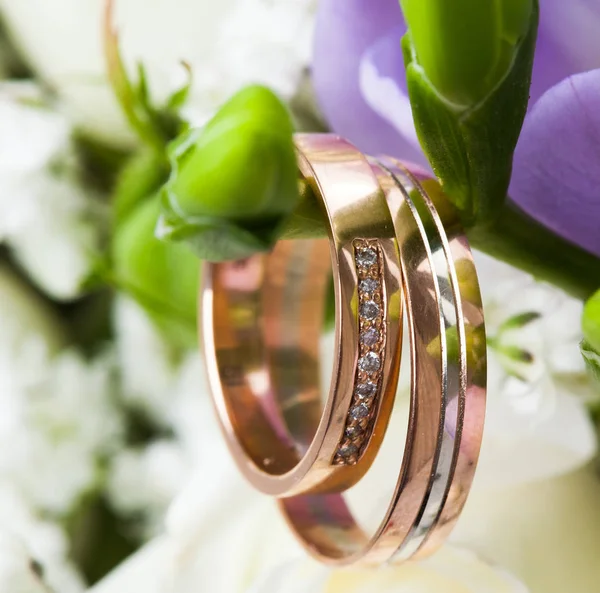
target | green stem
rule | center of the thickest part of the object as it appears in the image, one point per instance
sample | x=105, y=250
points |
x=519, y=240
x=514, y=238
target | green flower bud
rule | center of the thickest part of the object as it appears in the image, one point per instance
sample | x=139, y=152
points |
x=468, y=66
x=466, y=47
x=234, y=182
x=162, y=277
x=591, y=321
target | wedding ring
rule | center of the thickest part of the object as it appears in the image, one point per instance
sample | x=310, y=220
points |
x=447, y=396
x=261, y=323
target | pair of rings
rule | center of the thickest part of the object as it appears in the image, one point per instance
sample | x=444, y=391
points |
x=395, y=250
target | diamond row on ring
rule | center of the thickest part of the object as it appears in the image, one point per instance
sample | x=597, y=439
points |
x=367, y=383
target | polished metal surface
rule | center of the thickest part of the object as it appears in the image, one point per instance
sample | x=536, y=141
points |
x=447, y=344
x=261, y=321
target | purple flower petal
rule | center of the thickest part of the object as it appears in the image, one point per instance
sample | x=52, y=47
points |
x=383, y=86
x=568, y=43
x=556, y=174
x=551, y=65
x=345, y=29
x=574, y=25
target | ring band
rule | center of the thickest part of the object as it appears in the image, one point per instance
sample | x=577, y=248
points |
x=448, y=370
x=261, y=323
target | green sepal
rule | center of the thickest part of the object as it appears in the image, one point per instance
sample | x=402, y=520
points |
x=233, y=183
x=141, y=177
x=212, y=238
x=592, y=361
x=590, y=321
x=154, y=125
x=518, y=321
x=590, y=346
x=471, y=148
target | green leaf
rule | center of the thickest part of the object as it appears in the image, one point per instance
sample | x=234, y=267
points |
x=233, y=183
x=471, y=147
x=590, y=321
x=178, y=99
x=133, y=98
x=519, y=321
x=155, y=126
x=592, y=361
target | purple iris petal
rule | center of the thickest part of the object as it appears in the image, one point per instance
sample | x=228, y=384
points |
x=575, y=26
x=551, y=65
x=345, y=29
x=556, y=174
x=383, y=85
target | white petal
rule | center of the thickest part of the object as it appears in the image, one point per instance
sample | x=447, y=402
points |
x=31, y=133
x=547, y=533
x=25, y=536
x=50, y=438
x=142, y=572
x=59, y=244
x=16, y=571
x=450, y=570
x=147, y=365
x=24, y=316
x=143, y=483
x=228, y=44
x=518, y=450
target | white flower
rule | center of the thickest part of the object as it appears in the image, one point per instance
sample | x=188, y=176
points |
x=50, y=221
x=58, y=422
x=25, y=539
x=17, y=570
x=547, y=533
x=144, y=482
x=450, y=570
x=24, y=313
x=58, y=246
x=140, y=573
x=215, y=515
x=58, y=418
x=148, y=368
x=222, y=536
x=228, y=538
x=537, y=383
x=228, y=45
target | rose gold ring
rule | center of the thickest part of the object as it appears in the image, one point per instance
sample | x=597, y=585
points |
x=447, y=399
x=261, y=323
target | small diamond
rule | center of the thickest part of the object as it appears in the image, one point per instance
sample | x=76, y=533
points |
x=353, y=431
x=369, y=363
x=370, y=337
x=366, y=257
x=369, y=310
x=368, y=285
x=348, y=450
x=359, y=412
x=366, y=390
